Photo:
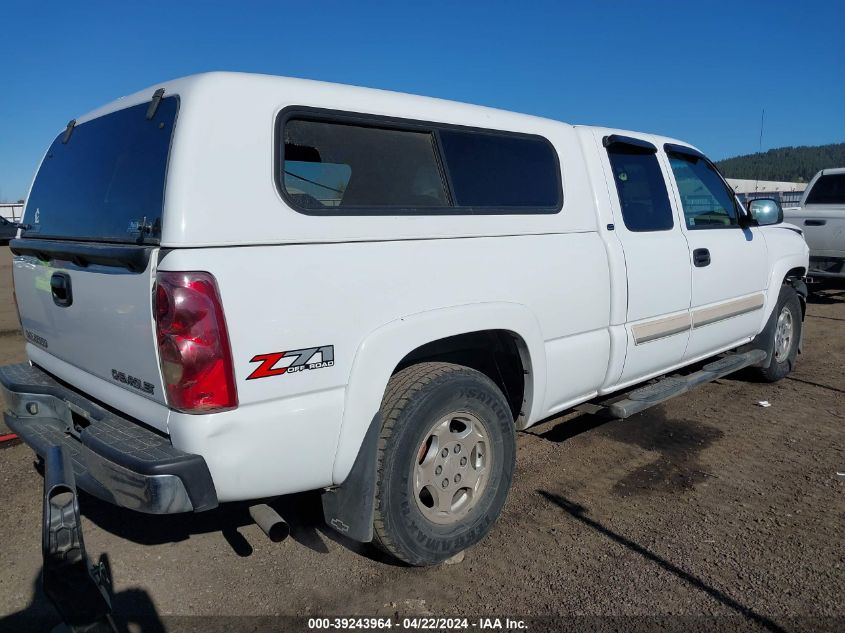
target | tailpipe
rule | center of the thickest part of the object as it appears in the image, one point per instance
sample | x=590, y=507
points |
x=273, y=525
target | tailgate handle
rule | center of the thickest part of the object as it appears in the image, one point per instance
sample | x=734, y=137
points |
x=60, y=287
x=815, y=222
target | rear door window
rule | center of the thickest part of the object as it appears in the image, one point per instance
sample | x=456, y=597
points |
x=107, y=181
x=642, y=190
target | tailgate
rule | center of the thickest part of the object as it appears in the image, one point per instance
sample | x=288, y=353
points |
x=85, y=264
x=96, y=317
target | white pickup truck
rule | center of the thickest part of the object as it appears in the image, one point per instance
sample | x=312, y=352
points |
x=235, y=286
x=821, y=215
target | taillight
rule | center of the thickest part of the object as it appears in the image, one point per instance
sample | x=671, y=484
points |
x=193, y=344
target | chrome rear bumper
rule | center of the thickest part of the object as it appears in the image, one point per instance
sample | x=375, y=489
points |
x=113, y=458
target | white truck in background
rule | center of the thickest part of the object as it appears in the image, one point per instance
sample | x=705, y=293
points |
x=821, y=215
x=407, y=283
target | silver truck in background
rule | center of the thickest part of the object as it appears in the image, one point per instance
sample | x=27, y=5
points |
x=821, y=215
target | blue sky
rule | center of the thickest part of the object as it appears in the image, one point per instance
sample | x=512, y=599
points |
x=700, y=70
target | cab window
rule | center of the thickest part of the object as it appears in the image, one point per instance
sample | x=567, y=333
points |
x=707, y=201
x=641, y=188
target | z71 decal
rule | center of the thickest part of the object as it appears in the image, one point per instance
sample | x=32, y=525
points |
x=293, y=361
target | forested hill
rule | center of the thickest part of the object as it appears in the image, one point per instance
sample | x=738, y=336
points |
x=794, y=164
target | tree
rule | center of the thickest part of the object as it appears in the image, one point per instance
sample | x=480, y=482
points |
x=793, y=164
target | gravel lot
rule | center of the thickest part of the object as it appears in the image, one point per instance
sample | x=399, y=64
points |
x=707, y=512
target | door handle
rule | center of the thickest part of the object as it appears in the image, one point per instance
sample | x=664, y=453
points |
x=815, y=222
x=61, y=290
x=701, y=257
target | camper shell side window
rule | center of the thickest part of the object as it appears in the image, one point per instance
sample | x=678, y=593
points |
x=338, y=163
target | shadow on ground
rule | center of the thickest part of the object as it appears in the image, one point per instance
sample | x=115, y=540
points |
x=827, y=294
x=579, y=513
x=133, y=610
x=303, y=512
x=679, y=444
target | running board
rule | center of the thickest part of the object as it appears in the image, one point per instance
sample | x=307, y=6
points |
x=671, y=386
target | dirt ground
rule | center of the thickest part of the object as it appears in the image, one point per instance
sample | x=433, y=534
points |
x=706, y=512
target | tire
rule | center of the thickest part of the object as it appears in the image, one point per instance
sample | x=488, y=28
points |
x=427, y=409
x=785, y=316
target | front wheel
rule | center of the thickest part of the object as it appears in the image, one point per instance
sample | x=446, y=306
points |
x=782, y=336
x=446, y=456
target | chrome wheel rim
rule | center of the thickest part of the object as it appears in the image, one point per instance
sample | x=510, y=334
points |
x=452, y=467
x=783, y=335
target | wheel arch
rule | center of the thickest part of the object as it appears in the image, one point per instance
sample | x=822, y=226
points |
x=501, y=355
x=795, y=278
x=787, y=270
x=429, y=335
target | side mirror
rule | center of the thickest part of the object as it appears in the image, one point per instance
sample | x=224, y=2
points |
x=766, y=211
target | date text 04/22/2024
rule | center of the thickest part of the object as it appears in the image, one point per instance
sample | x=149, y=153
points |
x=417, y=623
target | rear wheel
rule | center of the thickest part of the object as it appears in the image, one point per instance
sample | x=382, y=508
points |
x=445, y=462
x=781, y=336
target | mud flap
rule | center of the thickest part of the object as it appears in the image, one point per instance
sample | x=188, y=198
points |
x=79, y=591
x=765, y=339
x=801, y=288
x=349, y=507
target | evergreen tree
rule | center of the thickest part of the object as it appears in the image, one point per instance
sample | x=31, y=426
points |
x=791, y=164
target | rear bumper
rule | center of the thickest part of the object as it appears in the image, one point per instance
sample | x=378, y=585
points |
x=113, y=458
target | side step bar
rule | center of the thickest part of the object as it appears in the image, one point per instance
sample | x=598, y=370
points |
x=671, y=386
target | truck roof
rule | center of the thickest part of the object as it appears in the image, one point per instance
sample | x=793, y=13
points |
x=220, y=169
x=284, y=90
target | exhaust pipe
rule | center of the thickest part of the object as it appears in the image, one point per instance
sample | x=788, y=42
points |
x=274, y=526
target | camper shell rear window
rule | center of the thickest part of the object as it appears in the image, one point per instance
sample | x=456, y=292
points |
x=340, y=163
x=103, y=180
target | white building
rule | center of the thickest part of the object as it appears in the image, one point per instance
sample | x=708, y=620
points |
x=11, y=210
x=787, y=193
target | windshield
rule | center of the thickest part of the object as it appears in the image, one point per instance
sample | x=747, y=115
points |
x=828, y=189
x=107, y=182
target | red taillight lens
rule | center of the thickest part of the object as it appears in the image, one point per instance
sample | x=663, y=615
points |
x=193, y=344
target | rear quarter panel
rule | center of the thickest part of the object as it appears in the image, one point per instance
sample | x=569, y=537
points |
x=284, y=435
